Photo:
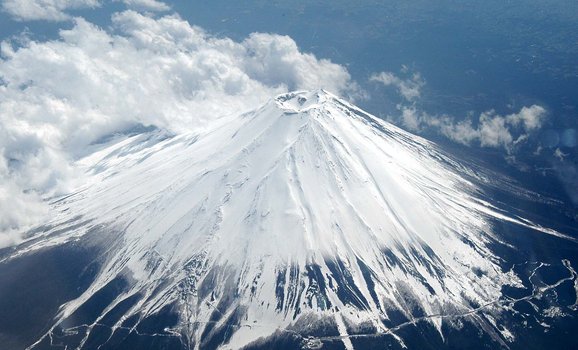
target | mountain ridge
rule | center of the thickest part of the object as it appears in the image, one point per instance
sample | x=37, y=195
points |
x=305, y=209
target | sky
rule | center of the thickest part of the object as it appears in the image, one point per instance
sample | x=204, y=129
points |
x=498, y=78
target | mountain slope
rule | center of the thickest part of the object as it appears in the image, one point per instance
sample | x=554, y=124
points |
x=305, y=211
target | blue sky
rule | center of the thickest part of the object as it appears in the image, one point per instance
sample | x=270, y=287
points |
x=499, y=77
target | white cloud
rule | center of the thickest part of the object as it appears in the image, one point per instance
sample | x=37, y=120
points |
x=493, y=130
x=147, y=5
x=489, y=130
x=560, y=155
x=409, y=89
x=56, y=97
x=50, y=10
x=531, y=118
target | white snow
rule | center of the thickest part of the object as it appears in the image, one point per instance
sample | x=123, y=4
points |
x=304, y=180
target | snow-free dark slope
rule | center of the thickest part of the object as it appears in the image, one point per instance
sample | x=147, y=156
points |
x=306, y=221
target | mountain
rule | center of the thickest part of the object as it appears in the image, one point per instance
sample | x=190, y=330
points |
x=304, y=223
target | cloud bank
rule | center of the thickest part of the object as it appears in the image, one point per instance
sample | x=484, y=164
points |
x=409, y=88
x=489, y=129
x=146, y=5
x=48, y=10
x=57, y=97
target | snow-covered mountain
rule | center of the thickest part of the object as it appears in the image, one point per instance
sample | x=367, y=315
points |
x=306, y=219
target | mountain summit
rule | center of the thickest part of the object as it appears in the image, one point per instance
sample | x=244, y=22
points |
x=306, y=221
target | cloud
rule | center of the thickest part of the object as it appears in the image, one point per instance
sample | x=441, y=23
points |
x=49, y=10
x=409, y=89
x=489, y=130
x=147, y=5
x=18, y=209
x=560, y=155
x=59, y=96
